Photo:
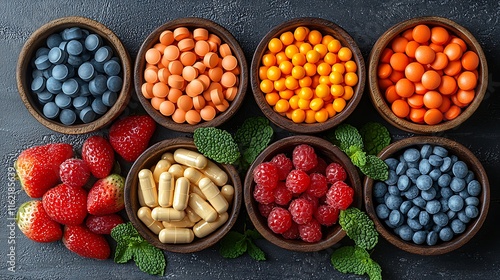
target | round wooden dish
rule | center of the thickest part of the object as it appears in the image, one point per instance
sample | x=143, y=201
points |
x=325, y=27
x=377, y=96
x=191, y=23
x=24, y=69
x=329, y=153
x=473, y=226
x=148, y=159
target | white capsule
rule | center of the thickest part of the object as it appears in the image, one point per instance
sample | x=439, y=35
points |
x=190, y=158
x=147, y=186
x=184, y=223
x=202, y=208
x=166, y=189
x=192, y=215
x=193, y=175
x=212, y=193
x=195, y=189
x=181, y=194
x=160, y=167
x=144, y=214
x=176, y=235
x=204, y=228
x=168, y=156
x=167, y=214
x=215, y=173
x=227, y=192
x=176, y=170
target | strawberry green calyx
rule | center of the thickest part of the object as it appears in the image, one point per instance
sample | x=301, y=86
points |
x=34, y=222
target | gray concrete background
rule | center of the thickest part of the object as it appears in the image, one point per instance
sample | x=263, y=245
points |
x=248, y=21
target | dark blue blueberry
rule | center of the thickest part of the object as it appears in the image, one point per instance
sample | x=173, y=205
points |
x=74, y=47
x=414, y=224
x=97, y=86
x=440, y=219
x=471, y=211
x=114, y=83
x=444, y=180
x=413, y=174
x=405, y=207
x=424, y=218
x=413, y=164
x=426, y=151
x=424, y=182
x=405, y=232
x=60, y=72
x=379, y=189
x=472, y=200
x=435, y=160
x=413, y=212
x=464, y=193
x=71, y=88
x=429, y=194
x=457, y=184
x=394, y=190
x=63, y=101
x=42, y=62
x=87, y=115
x=474, y=188
x=412, y=192
x=393, y=202
x=103, y=54
x=454, y=159
x=446, y=166
x=436, y=228
x=463, y=217
x=446, y=192
x=45, y=97
x=38, y=84
x=112, y=67
x=446, y=234
x=411, y=155
x=67, y=117
x=419, y=201
x=456, y=203
x=435, y=174
x=432, y=238
x=99, y=107
x=395, y=218
x=444, y=204
x=382, y=211
x=401, y=168
x=93, y=42
x=424, y=166
x=392, y=179
x=440, y=151
x=86, y=71
x=451, y=214
x=460, y=169
x=470, y=176
x=54, y=40
x=433, y=207
x=419, y=237
x=457, y=226
x=379, y=200
x=57, y=56
x=404, y=183
x=50, y=110
x=109, y=98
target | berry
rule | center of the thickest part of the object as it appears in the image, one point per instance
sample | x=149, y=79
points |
x=263, y=194
x=106, y=196
x=265, y=209
x=80, y=240
x=304, y=157
x=266, y=174
x=318, y=185
x=311, y=231
x=34, y=222
x=320, y=167
x=279, y=220
x=130, y=136
x=326, y=215
x=283, y=164
x=74, y=172
x=312, y=199
x=340, y=195
x=65, y=204
x=282, y=195
x=335, y=172
x=98, y=155
x=103, y=224
x=292, y=232
x=301, y=210
x=297, y=181
x=38, y=167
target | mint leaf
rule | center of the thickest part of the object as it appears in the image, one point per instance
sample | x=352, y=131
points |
x=346, y=136
x=354, y=259
x=359, y=227
x=255, y=252
x=150, y=259
x=253, y=234
x=375, y=168
x=123, y=253
x=233, y=245
x=375, y=137
x=357, y=156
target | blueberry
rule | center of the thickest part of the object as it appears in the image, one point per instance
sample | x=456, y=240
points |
x=433, y=206
x=463, y=217
x=424, y=166
x=472, y=200
x=419, y=237
x=411, y=155
x=413, y=174
x=38, y=84
x=379, y=200
x=446, y=234
x=419, y=201
x=437, y=228
x=50, y=110
x=440, y=219
x=413, y=164
x=456, y=203
x=392, y=179
x=405, y=232
x=444, y=204
x=70, y=87
x=394, y=190
x=67, y=117
x=395, y=218
x=424, y=218
x=401, y=168
x=457, y=226
x=414, y=224
x=471, y=211
x=403, y=183
x=109, y=98
x=112, y=67
x=446, y=166
x=405, y=207
x=93, y=42
x=393, y=202
x=429, y=194
x=74, y=47
x=412, y=192
x=382, y=211
x=464, y=193
x=451, y=214
x=413, y=212
x=444, y=180
x=457, y=184
x=470, y=176
x=379, y=189
x=432, y=238
x=424, y=182
x=63, y=101
x=435, y=160
x=440, y=151
x=474, y=188
x=426, y=151
x=435, y=174
x=460, y=169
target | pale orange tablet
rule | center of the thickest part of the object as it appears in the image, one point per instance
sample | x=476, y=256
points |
x=199, y=102
x=160, y=47
x=214, y=85
x=215, y=74
x=185, y=103
x=194, y=88
x=175, y=67
x=151, y=74
x=211, y=60
x=208, y=113
x=200, y=66
x=167, y=108
x=174, y=94
x=152, y=56
x=205, y=80
x=160, y=90
x=228, y=80
x=176, y=81
x=192, y=117
x=200, y=34
x=217, y=96
x=230, y=93
x=147, y=90
x=179, y=116
x=201, y=48
x=167, y=37
x=163, y=75
x=229, y=62
x=189, y=73
x=223, y=106
x=185, y=44
x=214, y=38
x=188, y=58
x=170, y=53
x=225, y=50
x=156, y=101
x=181, y=33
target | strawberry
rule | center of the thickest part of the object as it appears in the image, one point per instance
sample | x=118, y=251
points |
x=80, y=240
x=106, y=196
x=38, y=167
x=103, y=224
x=130, y=136
x=65, y=204
x=74, y=172
x=98, y=155
x=34, y=222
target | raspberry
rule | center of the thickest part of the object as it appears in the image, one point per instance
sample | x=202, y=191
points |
x=279, y=220
x=340, y=195
x=74, y=172
x=283, y=164
x=314, y=200
x=266, y=174
x=320, y=167
x=301, y=210
x=304, y=157
x=318, y=185
x=311, y=231
x=265, y=209
x=263, y=195
x=297, y=181
x=335, y=172
x=292, y=232
x=326, y=215
x=282, y=195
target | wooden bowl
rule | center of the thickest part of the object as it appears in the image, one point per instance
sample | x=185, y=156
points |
x=377, y=96
x=192, y=23
x=463, y=154
x=24, y=69
x=329, y=153
x=148, y=159
x=325, y=27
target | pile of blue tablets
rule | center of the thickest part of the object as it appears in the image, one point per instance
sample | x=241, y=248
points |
x=430, y=195
x=76, y=76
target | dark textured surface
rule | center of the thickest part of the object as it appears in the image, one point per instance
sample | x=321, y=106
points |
x=248, y=21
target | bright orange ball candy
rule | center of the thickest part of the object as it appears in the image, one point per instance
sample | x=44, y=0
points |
x=425, y=55
x=433, y=116
x=414, y=71
x=470, y=60
x=404, y=88
x=432, y=99
x=400, y=108
x=467, y=80
x=399, y=61
x=431, y=79
x=421, y=33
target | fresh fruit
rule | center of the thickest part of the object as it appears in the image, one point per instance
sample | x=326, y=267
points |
x=34, y=222
x=340, y=195
x=335, y=172
x=80, y=240
x=74, y=172
x=297, y=181
x=263, y=194
x=310, y=231
x=103, y=224
x=279, y=220
x=106, y=196
x=301, y=210
x=130, y=136
x=98, y=155
x=65, y=204
x=304, y=157
x=38, y=167
x=266, y=174
x=284, y=165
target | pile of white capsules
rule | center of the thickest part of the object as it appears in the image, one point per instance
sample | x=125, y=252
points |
x=180, y=197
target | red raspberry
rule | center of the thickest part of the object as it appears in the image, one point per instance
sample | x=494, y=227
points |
x=314, y=200
x=297, y=181
x=304, y=157
x=318, y=186
x=263, y=195
x=301, y=210
x=340, y=195
x=335, y=172
x=265, y=209
x=282, y=195
x=292, y=232
x=284, y=165
x=266, y=174
x=320, y=167
x=279, y=220
x=326, y=215
x=74, y=172
x=311, y=231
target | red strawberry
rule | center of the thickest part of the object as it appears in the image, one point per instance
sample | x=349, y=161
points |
x=103, y=224
x=74, y=172
x=80, y=240
x=106, y=196
x=130, y=136
x=38, y=167
x=34, y=222
x=65, y=204
x=98, y=155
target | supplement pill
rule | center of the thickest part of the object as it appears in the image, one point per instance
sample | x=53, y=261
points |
x=176, y=235
x=227, y=192
x=167, y=214
x=190, y=158
x=176, y=170
x=202, y=208
x=166, y=189
x=147, y=186
x=184, y=223
x=204, y=228
x=144, y=214
x=181, y=194
x=215, y=173
x=192, y=216
x=193, y=175
x=160, y=167
x=211, y=191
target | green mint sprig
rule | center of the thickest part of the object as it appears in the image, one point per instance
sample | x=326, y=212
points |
x=235, y=244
